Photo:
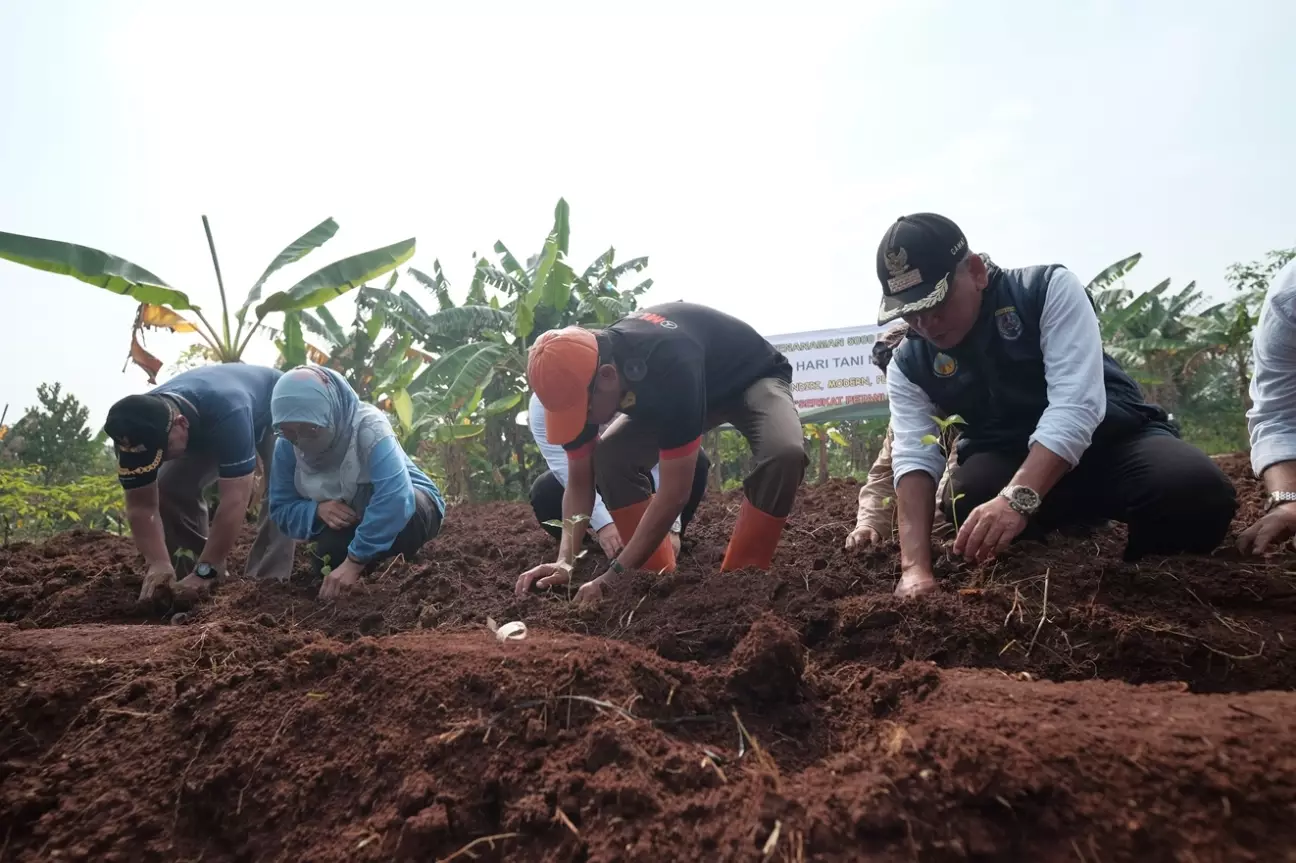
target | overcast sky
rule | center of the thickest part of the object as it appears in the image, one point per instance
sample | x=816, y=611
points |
x=755, y=155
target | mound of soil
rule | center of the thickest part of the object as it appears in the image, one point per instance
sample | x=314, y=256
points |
x=799, y=714
x=236, y=742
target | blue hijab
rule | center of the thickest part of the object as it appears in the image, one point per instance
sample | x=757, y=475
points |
x=333, y=465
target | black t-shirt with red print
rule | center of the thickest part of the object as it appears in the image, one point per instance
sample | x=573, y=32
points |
x=678, y=362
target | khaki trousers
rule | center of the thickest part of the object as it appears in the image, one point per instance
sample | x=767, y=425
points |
x=181, y=484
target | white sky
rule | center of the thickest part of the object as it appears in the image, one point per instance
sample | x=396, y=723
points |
x=755, y=155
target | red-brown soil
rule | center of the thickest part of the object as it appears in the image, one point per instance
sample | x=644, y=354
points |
x=803, y=714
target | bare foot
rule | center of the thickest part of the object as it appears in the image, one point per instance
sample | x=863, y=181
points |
x=915, y=585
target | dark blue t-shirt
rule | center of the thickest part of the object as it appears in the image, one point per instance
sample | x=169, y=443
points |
x=233, y=404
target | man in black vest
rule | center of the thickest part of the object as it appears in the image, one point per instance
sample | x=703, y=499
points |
x=1054, y=432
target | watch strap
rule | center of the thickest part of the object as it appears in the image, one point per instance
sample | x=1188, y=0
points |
x=1277, y=497
x=615, y=566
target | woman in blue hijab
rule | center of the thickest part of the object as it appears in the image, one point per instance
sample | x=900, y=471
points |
x=340, y=479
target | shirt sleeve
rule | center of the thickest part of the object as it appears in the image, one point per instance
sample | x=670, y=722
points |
x=292, y=513
x=556, y=457
x=235, y=444
x=1073, y=369
x=1272, y=417
x=912, y=420
x=391, y=505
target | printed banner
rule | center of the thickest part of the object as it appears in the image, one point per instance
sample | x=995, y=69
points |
x=833, y=367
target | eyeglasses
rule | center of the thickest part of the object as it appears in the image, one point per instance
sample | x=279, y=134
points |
x=300, y=431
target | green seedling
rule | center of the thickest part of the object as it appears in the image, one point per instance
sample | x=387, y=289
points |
x=327, y=559
x=573, y=530
x=945, y=424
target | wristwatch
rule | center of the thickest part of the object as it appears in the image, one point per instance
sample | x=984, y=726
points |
x=615, y=566
x=205, y=570
x=1277, y=497
x=1023, y=499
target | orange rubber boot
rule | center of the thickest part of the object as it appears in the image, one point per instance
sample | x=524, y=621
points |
x=754, y=538
x=627, y=520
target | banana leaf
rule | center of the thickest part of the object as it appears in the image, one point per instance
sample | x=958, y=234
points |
x=92, y=267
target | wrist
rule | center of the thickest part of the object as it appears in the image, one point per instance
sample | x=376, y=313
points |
x=1280, y=498
x=1022, y=499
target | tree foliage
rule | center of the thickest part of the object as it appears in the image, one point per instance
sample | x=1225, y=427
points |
x=54, y=437
x=160, y=304
x=31, y=508
x=1191, y=356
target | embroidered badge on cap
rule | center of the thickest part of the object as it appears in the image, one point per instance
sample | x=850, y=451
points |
x=902, y=278
x=944, y=365
x=1009, y=323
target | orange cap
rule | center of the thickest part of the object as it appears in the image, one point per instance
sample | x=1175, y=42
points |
x=560, y=369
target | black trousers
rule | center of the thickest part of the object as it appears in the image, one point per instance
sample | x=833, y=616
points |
x=331, y=545
x=547, y=498
x=1171, y=495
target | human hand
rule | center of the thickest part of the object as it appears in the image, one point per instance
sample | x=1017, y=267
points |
x=544, y=575
x=915, y=581
x=336, y=514
x=341, y=579
x=988, y=530
x=609, y=539
x=193, y=585
x=159, y=576
x=590, y=593
x=1270, y=531
x=861, y=538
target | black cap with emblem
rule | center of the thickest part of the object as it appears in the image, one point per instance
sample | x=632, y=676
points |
x=139, y=426
x=915, y=262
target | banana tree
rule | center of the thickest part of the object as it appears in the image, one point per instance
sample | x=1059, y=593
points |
x=822, y=433
x=160, y=304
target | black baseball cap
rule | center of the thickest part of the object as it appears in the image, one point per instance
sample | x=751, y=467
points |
x=139, y=427
x=915, y=261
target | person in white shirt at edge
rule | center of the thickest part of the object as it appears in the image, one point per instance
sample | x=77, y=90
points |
x=1054, y=431
x=547, y=491
x=1272, y=418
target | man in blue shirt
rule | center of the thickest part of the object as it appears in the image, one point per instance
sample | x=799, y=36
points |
x=203, y=426
x=1054, y=432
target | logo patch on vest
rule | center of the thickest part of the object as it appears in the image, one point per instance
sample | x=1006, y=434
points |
x=944, y=365
x=1009, y=323
x=628, y=401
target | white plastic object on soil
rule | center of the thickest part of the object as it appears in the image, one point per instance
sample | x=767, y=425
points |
x=513, y=631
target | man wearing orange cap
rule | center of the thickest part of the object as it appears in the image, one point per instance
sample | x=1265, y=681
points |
x=674, y=371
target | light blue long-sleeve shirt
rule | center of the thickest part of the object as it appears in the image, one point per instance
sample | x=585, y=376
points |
x=1073, y=370
x=556, y=457
x=394, y=477
x=1272, y=418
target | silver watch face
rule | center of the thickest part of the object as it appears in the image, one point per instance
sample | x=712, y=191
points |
x=1025, y=499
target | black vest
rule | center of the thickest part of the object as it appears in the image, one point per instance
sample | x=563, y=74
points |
x=995, y=378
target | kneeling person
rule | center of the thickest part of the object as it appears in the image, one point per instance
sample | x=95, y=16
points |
x=341, y=480
x=1055, y=432
x=548, y=489
x=203, y=427
x=673, y=371
x=875, y=513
